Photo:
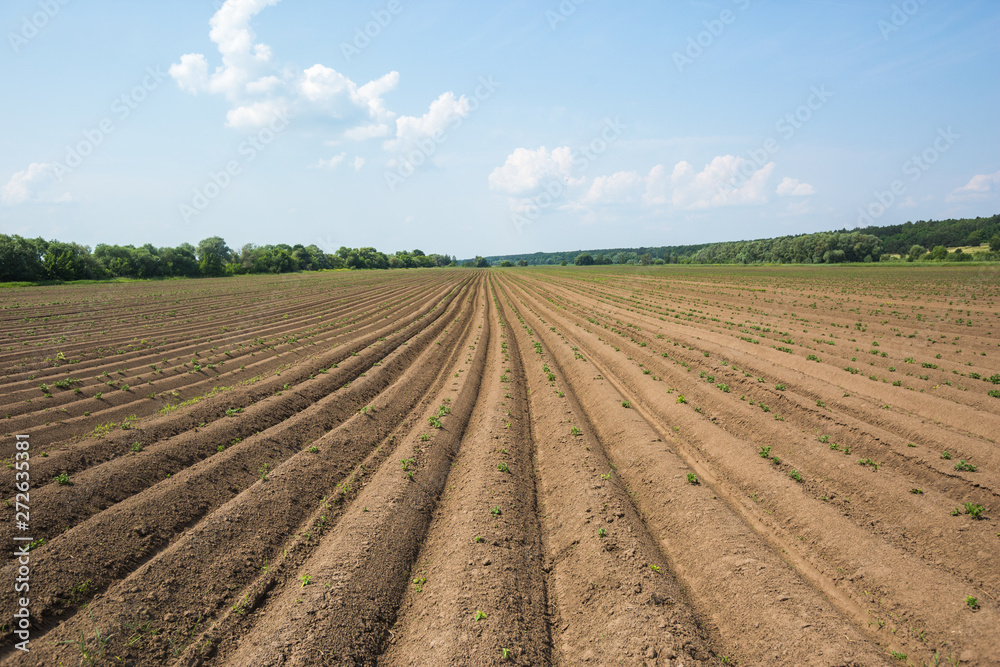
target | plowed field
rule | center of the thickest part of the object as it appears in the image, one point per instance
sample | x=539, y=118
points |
x=675, y=466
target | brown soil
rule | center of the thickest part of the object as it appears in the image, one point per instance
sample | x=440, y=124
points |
x=680, y=466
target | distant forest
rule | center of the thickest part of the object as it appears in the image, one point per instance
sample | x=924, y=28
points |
x=924, y=239
x=35, y=260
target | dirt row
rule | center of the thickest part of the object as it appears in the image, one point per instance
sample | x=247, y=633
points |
x=608, y=466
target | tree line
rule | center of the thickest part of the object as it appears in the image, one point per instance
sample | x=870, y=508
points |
x=923, y=240
x=32, y=260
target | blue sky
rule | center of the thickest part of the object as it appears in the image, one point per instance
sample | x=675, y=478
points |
x=487, y=127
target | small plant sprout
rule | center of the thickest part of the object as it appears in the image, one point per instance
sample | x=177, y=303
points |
x=502, y=467
x=601, y=532
x=418, y=584
x=306, y=579
x=313, y=450
x=262, y=471
x=796, y=475
x=655, y=568
x=681, y=399
x=575, y=431
x=479, y=615
x=973, y=510
x=946, y=455
x=965, y=466
x=692, y=478
x=495, y=510
x=62, y=479
x=506, y=655
x=972, y=602
x=478, y=539
x=626, y=404
x=765, y=452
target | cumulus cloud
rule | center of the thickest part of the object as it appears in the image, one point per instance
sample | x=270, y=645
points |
x=358, y=163
x=539, y=178
x=978, y=185
x=363, y=132
x=32, y=185
x=260, y=90
x=443, y=112
x=526, y=171
x=616, y=188
x=792, y=187
x=725, y=181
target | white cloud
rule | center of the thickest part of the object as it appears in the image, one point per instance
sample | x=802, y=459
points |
x=362, y=132
x=411, y=130
x=32, y=185
x=257, y=114
x=978, y=185
x=526, y=171
x=259, y=89
x=329, y=164
x=619, y=188
x=540, y=179
x=358, y=163
x=792, y=187
x=657, y=186
x=726, y=181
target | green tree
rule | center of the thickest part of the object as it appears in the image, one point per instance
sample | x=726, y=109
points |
x=916, y=251
x=939, y=252
x=213, y=255
x=995, y=243
x=584, y=259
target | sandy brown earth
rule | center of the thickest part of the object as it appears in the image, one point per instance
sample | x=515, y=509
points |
x=671, y=466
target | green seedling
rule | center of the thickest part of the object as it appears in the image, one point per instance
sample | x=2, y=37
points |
x=692, y=478
x=973, y=510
